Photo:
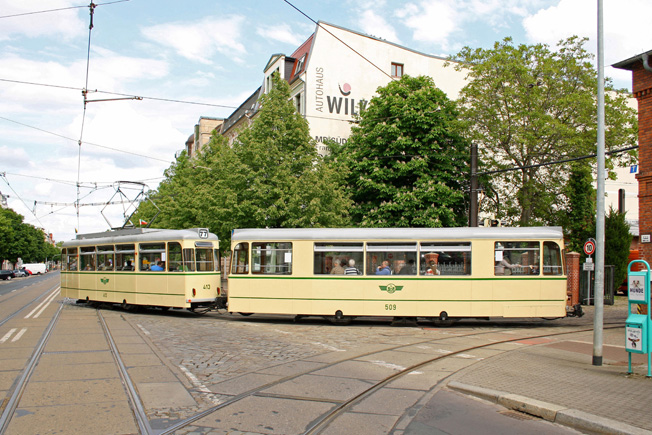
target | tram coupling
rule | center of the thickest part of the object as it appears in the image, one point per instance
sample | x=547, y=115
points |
x=574, y=311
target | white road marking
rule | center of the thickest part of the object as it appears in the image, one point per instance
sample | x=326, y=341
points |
x=331, y=348
x=199, y=386
x=20, y=334
x=43, y=304
x=7, y=335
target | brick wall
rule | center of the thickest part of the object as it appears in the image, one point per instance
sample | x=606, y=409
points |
x=642, y=87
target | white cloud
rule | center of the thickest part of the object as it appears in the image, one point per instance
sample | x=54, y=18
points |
x=374, y=24
x=201, y=40
x=282, y=33
x=62, y=23
x=432, y=21
x=625, y=26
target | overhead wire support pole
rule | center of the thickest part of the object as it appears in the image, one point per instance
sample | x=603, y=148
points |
x=600, y=211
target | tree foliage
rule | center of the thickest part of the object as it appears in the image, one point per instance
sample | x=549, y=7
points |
x=579, y=221
x=270, y=177
x=528, y=106
x=21, y=240
x=618, y=240
x=407, y=164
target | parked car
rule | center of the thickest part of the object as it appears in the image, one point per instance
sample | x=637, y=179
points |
x=19, y=273
x=7, y=274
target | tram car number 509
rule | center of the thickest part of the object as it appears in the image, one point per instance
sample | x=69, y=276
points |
x=390, y=307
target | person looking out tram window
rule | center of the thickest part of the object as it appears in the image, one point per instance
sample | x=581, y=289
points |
x=158, y=267
x=352, y=270
x=337, y=268
x=503, y=265
x=384, y=269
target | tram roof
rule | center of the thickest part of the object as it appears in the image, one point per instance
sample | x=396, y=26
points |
x=275, y=234
x=137, y=235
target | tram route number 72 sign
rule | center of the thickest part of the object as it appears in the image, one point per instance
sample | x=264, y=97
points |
x=589, y=247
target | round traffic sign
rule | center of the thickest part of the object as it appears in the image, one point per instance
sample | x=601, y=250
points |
x=589, y=247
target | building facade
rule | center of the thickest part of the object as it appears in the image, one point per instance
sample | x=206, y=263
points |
x=641, y=69
x=337, y=71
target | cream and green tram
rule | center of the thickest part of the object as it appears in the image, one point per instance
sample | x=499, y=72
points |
x=434, y=273
x=143, y=266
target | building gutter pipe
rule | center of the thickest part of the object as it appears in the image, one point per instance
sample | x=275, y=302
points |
x=646, y=62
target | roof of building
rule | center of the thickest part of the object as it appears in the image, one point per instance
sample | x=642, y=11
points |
x=249, y=106
x=630, y=64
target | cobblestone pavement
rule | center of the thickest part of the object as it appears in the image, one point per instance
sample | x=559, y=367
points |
x=228, y=354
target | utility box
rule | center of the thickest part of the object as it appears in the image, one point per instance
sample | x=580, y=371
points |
x=639, y=324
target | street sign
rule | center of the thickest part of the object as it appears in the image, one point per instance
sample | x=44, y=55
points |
x=589, y=247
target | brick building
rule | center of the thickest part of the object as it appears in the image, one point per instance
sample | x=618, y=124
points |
x=641, y=69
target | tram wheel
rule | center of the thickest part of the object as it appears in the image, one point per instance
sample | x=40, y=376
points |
x=245, y=314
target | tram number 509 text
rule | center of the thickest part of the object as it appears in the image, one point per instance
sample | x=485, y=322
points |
x=390, y=307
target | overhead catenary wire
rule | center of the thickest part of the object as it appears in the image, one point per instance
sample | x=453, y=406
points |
x=85, y=143
x=120, y=94
x=345, y=44
x=22, y=14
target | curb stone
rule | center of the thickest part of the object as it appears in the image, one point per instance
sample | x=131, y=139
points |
x=548, y=411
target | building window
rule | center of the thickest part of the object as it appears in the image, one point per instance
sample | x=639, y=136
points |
x=300, y=63
x=397, y=69
x=297, y=103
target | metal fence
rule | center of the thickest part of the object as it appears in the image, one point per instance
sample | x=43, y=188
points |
x=587, y=297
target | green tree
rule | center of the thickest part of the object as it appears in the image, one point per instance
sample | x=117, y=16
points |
x=578, y=219
x=618, y=240
x=407, y=164
x=271, y=176
x=278, y=179
x=528, y=106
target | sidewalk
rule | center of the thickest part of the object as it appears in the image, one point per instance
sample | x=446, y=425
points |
x=554, y=379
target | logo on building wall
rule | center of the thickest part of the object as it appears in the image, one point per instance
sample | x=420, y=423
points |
x=345, y=89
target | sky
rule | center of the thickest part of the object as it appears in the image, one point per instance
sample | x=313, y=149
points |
x=204, y=58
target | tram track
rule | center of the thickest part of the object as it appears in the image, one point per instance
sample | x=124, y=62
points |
x=21, y=384
x=320, y=423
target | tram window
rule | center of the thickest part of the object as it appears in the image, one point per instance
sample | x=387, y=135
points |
x=152, y=257
x=335, y=259
x=71, y=259
x=175, y=257
x=87, y=258
x=552, y=259
x=400, y=258
x=124, y=257
x=105, y=258
x=271, y=258
x=188, y=260
x=240, y=259
x=445, y=258
x=516, y=258
x=204, y=259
